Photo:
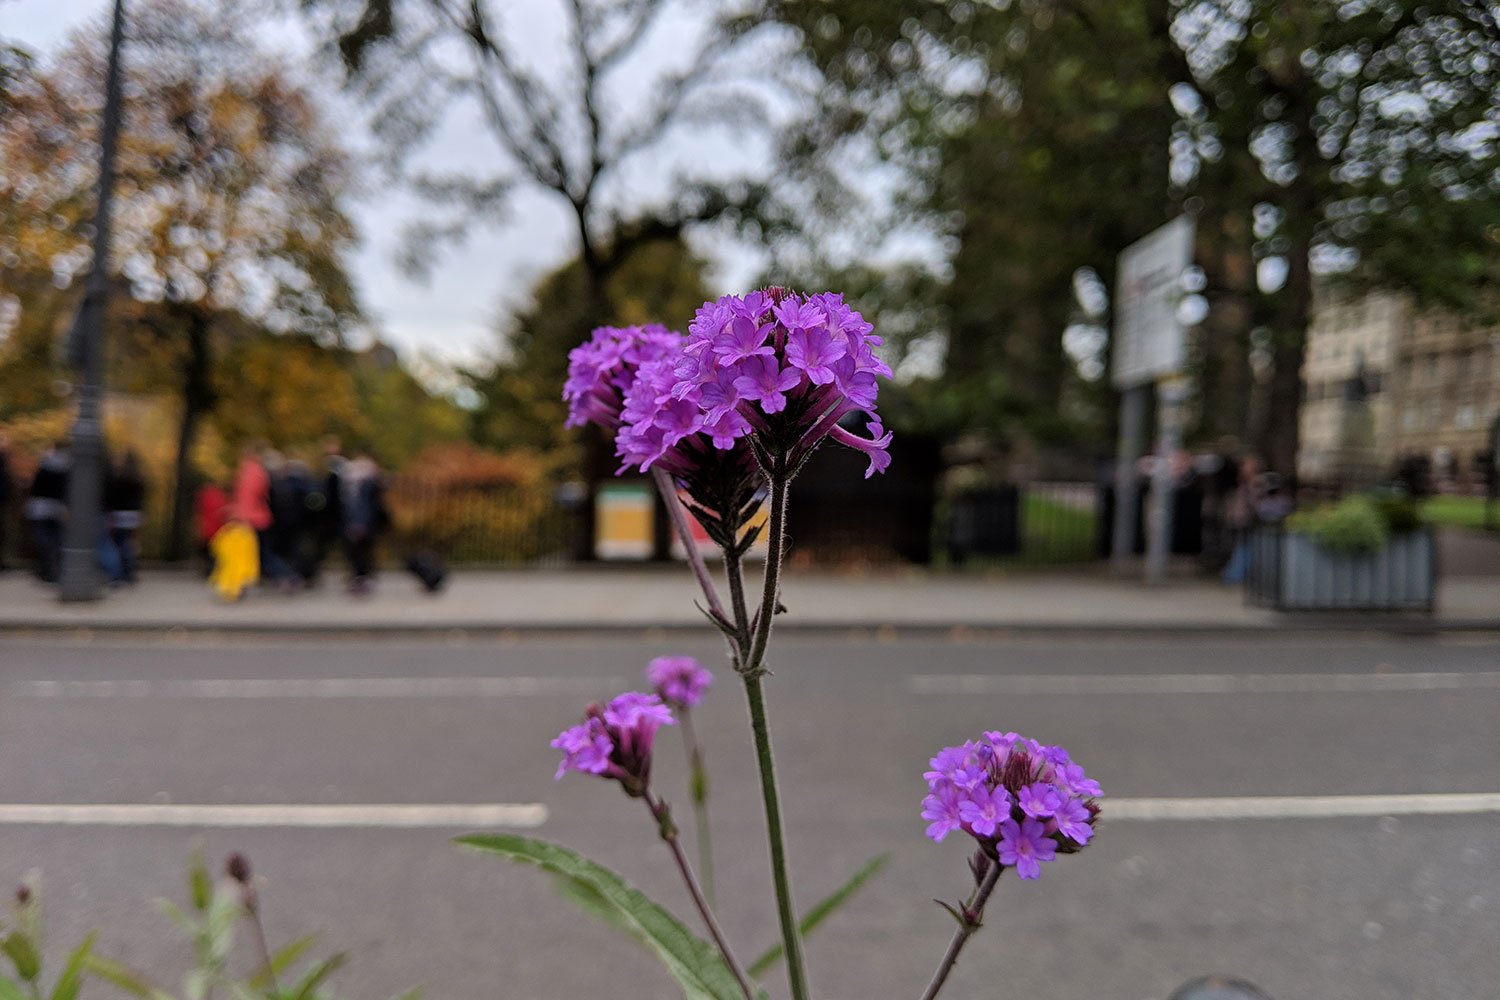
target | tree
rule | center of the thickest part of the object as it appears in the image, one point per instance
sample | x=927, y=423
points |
x=230, y=190
x=661, y=282
x=584, y=135
x=1372, y=128
x=1030, y=148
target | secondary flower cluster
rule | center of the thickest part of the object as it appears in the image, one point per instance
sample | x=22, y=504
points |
x=615, y=741
x=1024, y=802
x=601, y=371
x=781, y=367
x=678, y=680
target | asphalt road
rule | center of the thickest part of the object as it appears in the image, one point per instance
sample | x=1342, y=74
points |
x=1316, y=902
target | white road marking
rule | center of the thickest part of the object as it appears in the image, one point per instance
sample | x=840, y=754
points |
x=530, y=815
x=395, y=816
x=1111, y=684
x=316, y=687
x=1298, y=807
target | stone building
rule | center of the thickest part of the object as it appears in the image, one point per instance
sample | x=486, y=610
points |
x=1384, y=382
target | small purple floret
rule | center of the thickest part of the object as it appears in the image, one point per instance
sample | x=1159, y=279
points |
x=679, y=680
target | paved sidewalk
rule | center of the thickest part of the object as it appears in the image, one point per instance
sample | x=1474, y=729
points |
x=615, y=597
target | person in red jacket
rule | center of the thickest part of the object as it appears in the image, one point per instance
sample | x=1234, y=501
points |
x=213, y=511
x=252, y=505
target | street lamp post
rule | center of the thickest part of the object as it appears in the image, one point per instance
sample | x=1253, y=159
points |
x=80, y=570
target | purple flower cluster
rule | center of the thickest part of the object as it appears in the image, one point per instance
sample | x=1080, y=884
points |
x=601, y=371
x=615, y=741
x=777, y=366
x=1024, y=802
x=679, y=680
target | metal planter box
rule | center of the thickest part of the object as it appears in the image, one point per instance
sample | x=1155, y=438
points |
x=1292, y=572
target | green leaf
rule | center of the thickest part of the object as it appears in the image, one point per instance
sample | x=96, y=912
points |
x=117, y=974
x=320, y=972
x=22, y=955
x=588, y=899
x=200, y=886
x=820, y=912
x=66, y=987
x=10, y=991
x=693, y=962
x=283, y=960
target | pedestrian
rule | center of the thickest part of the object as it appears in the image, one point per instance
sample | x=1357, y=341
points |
x=7, y=493
x=124, y=496
x=47, y=510
x=325, y=506
x=362, y=496
x=252, y=507
x=1241, y=516
x=212, y=502
x=291, y=487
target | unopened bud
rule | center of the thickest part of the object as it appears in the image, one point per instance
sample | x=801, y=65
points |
x=238, y=868
x=23, y=895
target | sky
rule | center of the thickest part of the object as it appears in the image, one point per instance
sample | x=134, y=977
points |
x=450, y=317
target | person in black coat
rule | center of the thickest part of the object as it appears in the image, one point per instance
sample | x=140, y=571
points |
x=47, y=510
x=7, y=493
x=124, y=498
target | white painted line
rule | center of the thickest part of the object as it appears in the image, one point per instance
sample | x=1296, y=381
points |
x=1112, y=684
x=316, y=687
x=530, y=815
x=1298, y=807
x=395, y=816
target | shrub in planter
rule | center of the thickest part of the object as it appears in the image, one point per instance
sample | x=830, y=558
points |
x=1353, y=526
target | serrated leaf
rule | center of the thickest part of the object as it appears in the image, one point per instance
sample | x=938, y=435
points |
x=822, y=909
x=22, y=955
x=693, y=962
x=66, y=987
x=117, y=974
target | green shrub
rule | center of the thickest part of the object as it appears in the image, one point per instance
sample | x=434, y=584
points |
x=1353, y=526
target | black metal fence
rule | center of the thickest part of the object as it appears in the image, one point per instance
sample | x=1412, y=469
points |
x=1032, y=524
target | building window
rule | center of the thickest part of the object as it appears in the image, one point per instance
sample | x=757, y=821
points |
x=1466, y=416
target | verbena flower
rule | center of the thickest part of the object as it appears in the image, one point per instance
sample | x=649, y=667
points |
x=679, y=680
x=602, y=370
x=1024, y=803
x=615, y=741
x=774, y=367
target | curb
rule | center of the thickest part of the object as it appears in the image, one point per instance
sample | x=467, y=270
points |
x=956, y=630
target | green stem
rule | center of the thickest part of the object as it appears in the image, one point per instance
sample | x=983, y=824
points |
x=751, y=669
x=698, y=785
x=776, y=540
x=735, y=572
x=965, y=931
x=786, y=914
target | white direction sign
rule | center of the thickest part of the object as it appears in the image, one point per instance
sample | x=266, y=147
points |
x=1149, y=341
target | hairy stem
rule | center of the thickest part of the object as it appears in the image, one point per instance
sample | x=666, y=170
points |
x=674, y=844
x=776, y=541
x=668, y=491
x=698, y=784
x=790, y=936
x=965, y=930
x=751, y=669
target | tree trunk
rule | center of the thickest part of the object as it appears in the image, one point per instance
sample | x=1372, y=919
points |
x=197, y=400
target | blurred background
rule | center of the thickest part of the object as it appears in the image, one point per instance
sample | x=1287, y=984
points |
x=376, y=227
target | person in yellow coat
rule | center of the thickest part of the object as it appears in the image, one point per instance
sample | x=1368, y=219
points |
x=236, y=560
